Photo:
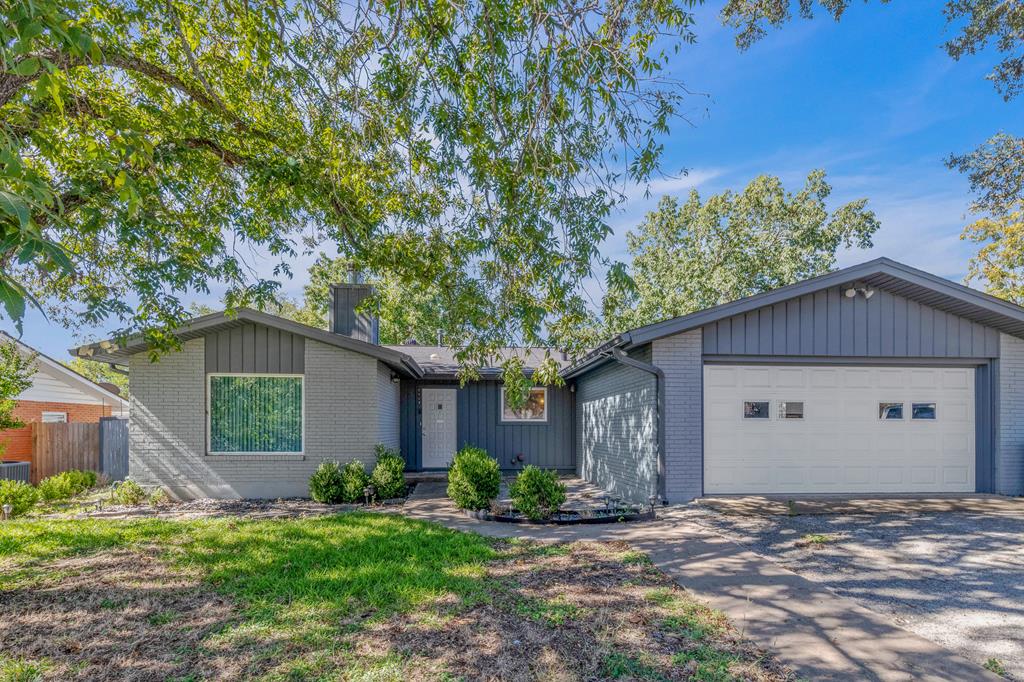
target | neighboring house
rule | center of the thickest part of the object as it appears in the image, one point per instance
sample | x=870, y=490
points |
x=879, y=378
x=57, y=394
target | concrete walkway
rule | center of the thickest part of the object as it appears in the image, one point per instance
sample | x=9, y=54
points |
x=820, y=635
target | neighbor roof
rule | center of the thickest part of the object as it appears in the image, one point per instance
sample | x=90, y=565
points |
x=881, y=273
x=440, y=361
x=109, y=351
x=67, y=374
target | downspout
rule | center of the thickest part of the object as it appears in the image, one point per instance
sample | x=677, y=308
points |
x=620, y=356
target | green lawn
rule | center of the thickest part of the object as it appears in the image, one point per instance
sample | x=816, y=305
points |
x=349, y=597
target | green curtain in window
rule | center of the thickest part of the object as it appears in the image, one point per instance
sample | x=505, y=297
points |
x=255, y=414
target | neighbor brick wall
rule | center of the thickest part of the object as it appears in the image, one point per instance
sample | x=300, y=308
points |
x=19, y=441
x=1009, y=456
x=168, y=425
x=680, y=358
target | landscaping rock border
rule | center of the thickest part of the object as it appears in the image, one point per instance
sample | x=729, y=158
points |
x=570, y=517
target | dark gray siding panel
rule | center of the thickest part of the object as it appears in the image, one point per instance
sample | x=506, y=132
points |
x=548, y=445
x=344, y=319
x=616, y=430
x=255, y=348
x=827, y=323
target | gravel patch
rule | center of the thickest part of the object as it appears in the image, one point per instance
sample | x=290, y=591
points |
x=955, y=578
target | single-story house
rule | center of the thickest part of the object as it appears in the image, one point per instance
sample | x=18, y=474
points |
x=878, y=378
x=57, y=394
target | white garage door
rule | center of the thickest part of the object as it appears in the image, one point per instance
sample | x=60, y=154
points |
x=786, y=429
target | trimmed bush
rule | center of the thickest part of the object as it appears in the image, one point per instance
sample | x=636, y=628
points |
x=474, y=478
x=21, y=496
x=325, y=483
x=332, y=483
x=537, y=493
x=388, y=475
x=353, y=480
x=129, y=493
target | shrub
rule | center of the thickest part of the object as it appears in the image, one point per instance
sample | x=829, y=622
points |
x=158, y=498
x=353, y=480
x=474, y=478
x=21, y=496
x=325, y=483
x=537, y=493
x=129, y=493
x=66, y=484
x=56, y=487
x=388, y=475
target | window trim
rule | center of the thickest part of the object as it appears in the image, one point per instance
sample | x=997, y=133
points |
x=43, y=415
x=903, y=410
x=935, y=408
x=209, y=398
x=743, y=411
x=517, y=420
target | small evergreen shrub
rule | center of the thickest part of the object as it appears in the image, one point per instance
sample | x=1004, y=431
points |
x=537, y=493
x=325, y=483
x=129, y=493
x=388, y=475
x=158, y=498
x=353, y=480
x=474, y=478
x=21, y=496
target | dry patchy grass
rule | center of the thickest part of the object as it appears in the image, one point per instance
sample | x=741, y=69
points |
x=351, y=597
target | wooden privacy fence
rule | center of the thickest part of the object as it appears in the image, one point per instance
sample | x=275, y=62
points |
x=101, y=447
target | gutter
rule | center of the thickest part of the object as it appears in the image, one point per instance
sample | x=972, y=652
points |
x=620, y=357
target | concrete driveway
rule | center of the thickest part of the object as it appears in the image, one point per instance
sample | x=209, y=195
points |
x=954, y=577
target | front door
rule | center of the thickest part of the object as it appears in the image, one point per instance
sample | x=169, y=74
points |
x=438, y=427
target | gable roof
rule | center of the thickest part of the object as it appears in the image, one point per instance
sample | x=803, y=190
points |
x=67, y=375
x=109, y=351
x=440, y=361
x=881, y=273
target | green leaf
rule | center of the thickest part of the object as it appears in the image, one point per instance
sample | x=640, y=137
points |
x=26, y=67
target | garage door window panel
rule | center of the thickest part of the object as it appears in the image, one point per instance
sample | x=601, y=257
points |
x=923, y=411
x=890, y=411
x=756, y=409
x=791, y=409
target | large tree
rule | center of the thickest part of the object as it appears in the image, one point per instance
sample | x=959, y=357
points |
x=699, y=253
x=149, y=148
x=996, y=168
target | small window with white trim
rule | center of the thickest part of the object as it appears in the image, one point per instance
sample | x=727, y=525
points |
x=890, y=411
x=756, y=409
x=922, y=411
x=255, y=414
x=55, y=417
x=791, y=410
x=535, y=409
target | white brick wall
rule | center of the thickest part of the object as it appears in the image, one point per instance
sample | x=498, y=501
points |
x=1009, y=456
x=679, y=357
x=387, y=417
x=168, y=425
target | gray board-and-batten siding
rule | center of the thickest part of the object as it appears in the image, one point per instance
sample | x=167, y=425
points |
x=549, y=444
x=827, y=323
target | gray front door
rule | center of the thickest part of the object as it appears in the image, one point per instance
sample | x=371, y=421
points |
x=438, y=427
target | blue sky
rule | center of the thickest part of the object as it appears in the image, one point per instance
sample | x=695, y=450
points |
x=874, y=100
